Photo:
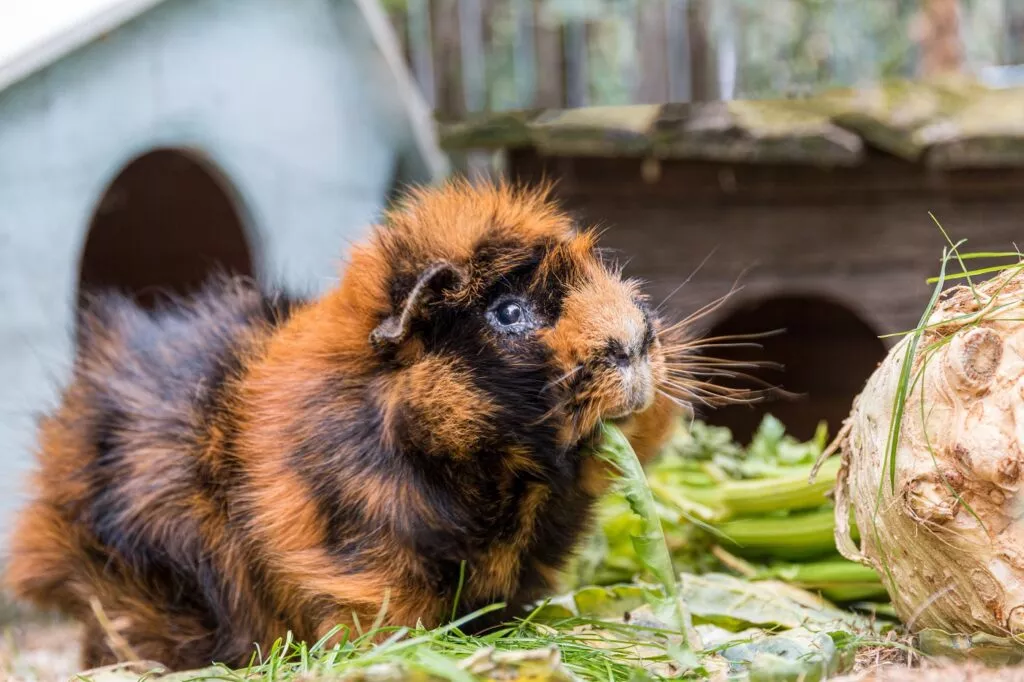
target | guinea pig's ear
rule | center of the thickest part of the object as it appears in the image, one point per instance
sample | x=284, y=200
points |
x=434, y=279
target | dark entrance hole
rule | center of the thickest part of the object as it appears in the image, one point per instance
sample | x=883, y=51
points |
x=827, y=353
x=163, y=226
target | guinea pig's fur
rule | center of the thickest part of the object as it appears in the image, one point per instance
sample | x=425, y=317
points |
x=240, y=465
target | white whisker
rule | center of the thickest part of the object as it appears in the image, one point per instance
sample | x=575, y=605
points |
x=687, y=280
x=559, y=380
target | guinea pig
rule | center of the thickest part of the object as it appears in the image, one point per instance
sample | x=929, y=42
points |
x=240, y=464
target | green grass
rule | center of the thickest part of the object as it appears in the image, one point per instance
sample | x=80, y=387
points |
x=442, y=653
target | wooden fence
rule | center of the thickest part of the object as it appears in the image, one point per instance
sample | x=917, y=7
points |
x=477, y=55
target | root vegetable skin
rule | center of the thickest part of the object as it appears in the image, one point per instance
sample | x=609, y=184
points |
x=947, y=539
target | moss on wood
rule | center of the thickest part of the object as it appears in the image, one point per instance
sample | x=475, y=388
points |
x=951, y=123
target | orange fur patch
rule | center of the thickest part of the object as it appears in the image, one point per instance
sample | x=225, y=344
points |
x=451, y=414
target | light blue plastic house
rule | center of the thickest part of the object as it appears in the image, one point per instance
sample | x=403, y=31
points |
x=144, y=142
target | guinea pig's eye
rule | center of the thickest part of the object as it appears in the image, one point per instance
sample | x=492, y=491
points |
x=510, y=315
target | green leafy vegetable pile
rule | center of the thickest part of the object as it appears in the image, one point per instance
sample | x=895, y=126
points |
x=746, y=510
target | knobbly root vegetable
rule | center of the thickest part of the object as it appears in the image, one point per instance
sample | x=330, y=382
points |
x=932, y=465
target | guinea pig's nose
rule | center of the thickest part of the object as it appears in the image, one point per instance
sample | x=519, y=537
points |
x=617, y=355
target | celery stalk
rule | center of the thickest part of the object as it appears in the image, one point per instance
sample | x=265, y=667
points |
x=837, y=579
x=764, y=495
x=795, y=536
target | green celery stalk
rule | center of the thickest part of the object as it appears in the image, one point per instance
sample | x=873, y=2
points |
x=795, y=536
x=836, y=578
x=827, y=570
x=760, y=496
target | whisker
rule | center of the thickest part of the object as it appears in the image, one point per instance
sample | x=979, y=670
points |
x=707, y=389
x=738, y=337
x=559, y=380
x=685, y=400
x=697, y=368
x=685, y=405
x=719, y=373
x=712, y=386
x=695, y=347
x=714, y=304
x=698, y=364
x=715, y=400
x=687, y=280
x=763, y=389
x=728, y=341
x=701, y=312
x=714, y=360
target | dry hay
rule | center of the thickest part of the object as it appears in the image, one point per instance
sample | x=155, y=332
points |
x=936, y=671
x=39, y=652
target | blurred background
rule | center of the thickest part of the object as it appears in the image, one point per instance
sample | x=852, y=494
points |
x=795, y=147
x=475, y=55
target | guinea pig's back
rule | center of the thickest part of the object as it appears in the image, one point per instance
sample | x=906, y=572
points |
x=130, y=499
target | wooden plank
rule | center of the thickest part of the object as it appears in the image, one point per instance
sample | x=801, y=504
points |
x=941, y=47
x=702, y=67
x=398, y=17
x=847, y=39
x=524, y=59
x=1014, y=12
x=677, y=37
x=450, y=102
x=614, y=67
x=629, y=66
x=551, y=62
x=726, y=49
x=420, y=41
x=421, y=116
x=652, y=84
x=575, y=46
x=473, y=55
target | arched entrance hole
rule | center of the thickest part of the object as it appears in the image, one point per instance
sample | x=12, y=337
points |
x=827, y=352
x=163, y=226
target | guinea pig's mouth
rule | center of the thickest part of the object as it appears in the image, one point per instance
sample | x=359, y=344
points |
x=635, y=392
x=628, y=408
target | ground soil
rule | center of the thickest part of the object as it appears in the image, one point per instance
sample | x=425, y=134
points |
x=38, y=651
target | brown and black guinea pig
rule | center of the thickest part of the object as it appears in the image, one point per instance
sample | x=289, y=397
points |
x=239, y=465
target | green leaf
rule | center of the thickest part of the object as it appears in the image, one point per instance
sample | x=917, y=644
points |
x=797, y=655
x=649, y=539
x=735, y=604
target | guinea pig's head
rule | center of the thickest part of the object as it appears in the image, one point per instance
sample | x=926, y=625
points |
x=496, y=320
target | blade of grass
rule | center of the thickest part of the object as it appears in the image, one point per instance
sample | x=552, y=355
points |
x=979, y=271
x=954, y=249
x=458, y=590
x=904, y=381
x=973, y=255
x=896, y=425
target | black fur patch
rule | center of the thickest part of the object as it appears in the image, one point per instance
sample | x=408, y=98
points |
x=191, y=380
